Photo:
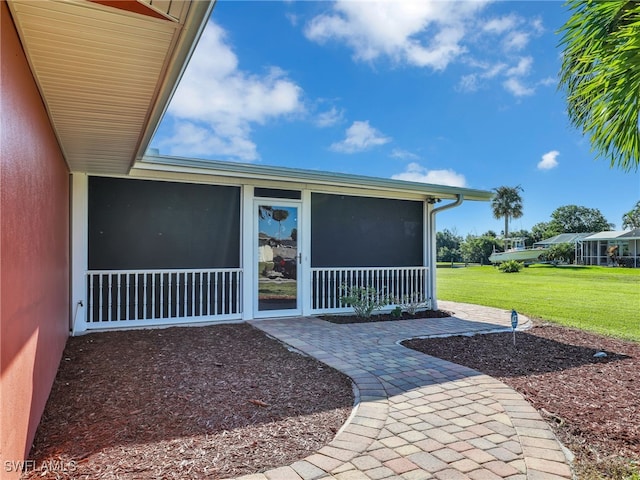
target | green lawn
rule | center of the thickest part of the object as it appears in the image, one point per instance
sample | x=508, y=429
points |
x=598, y=299
x=277, y=289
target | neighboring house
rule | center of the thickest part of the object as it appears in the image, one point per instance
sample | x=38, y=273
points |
x=620, y=247
x=573, y=238
x=97, y=235
x=610, y=248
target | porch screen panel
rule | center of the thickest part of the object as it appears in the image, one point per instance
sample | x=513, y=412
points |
x=144, y=224
x=349, y=231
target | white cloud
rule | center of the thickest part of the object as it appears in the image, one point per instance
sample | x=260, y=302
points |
x=522, y=68
x=192, y=139
x=424, y=34
x=216, y=103
x=501, y=24
x=403, y=154
x=360, y=136
x=549, y=160
x=468, y=83
x=516, y=41
x=517, y=88
x=538, y=27
x=414, y=172
x=293, y=19
x=514, y=32
x=548, y=82
x=494, y=70
x=515, y=82
x=433, y=34
x=329, y=118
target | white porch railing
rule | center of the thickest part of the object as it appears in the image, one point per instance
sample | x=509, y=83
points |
x=119, y=298
x=395, y=283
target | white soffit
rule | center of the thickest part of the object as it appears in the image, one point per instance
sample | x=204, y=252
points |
x=102, y=71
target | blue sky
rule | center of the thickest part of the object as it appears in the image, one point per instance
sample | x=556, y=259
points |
x=455, y=93
x=282, y=229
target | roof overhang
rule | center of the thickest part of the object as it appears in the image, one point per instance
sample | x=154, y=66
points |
x=106, y=70
x=231, y=172
x=615, y=235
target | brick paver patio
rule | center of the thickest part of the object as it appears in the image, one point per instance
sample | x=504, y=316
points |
x=419, y=417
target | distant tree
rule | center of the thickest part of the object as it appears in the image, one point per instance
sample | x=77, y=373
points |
x=448, y=246
x=542, y=231
x=575, y=219
x=561, y=252
x=446, y=254
x=601, y=75
x=507, y=204
x=631, y=219
x=294, y=234
x=490, y=233
x=477, y=249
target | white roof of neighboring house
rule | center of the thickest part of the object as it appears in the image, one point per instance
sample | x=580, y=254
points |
x=564, y=238
x=609, y=235
x=632, y=234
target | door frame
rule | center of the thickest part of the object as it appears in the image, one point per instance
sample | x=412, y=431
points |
x=300, y=276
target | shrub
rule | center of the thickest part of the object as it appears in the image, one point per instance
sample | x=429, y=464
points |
x=363, y=300
x=561, y=253
x=510, y=266
x=412, y=303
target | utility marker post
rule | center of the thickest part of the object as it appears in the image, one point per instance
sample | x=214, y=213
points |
x=514, y=324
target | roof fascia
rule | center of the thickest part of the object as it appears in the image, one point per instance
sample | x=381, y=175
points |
x=314, y=177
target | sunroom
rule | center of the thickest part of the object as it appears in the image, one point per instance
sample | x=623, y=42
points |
x=612, y=248
x=181, y=241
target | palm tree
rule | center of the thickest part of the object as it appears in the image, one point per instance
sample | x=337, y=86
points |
x=279, y=216
x=507, y=203
x=631, y=219
x=601, y=75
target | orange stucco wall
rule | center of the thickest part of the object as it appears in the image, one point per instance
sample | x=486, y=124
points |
x=34, y=252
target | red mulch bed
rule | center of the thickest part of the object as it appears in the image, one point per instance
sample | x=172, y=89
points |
x=207, y=402
x=223, y=401
x=593, y=403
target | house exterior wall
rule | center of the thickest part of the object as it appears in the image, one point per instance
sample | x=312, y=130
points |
x=34, y=248
x=385, y=236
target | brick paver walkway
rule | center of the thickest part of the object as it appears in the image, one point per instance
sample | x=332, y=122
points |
x=419, y=417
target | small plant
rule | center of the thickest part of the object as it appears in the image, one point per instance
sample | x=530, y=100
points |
x=510, y=266
x=396, y=312
x=412, y=303
x=363, y=300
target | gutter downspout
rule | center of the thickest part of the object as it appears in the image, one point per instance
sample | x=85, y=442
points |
x=432, y=250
